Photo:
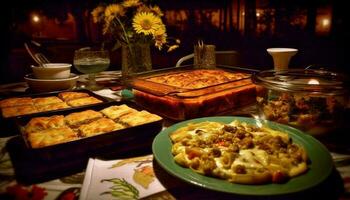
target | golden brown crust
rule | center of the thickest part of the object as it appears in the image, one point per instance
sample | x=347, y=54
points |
x=75, y=119
x=102, y=125
x=50, y=137
x=66, y=96
x=115, y=112
x=198, y=78
x=42, y=123
x=53, y=106
x=83, y=101
x=46, y=100
x=16, y=101
x=138, y=118
x=18, y=110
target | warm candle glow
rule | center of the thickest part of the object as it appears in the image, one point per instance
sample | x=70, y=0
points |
x=325, y=22
x=36, y=18
x=313, y=82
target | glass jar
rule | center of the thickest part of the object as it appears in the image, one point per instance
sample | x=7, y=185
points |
x=136, y=57
x=311, y=100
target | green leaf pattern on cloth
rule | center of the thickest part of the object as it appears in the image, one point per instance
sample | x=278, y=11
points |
x=121, y=189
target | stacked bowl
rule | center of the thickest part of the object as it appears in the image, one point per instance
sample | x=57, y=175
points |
x=51, y=77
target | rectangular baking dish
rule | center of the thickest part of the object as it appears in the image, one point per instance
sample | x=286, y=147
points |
x=8, y=127
x=45, y=163
x=88, y=145
x=180, y=103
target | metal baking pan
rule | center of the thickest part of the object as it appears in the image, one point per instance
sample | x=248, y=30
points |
x=75, y=154
x=89, y=145
x=30, y=169
x=8, y=127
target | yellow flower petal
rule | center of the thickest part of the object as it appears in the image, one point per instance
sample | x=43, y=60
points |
x=131, y=3
x=157, y=11
x=143, y=8
x=146, y=23
x=114, y=10
x=171, y=48
x=97, y=13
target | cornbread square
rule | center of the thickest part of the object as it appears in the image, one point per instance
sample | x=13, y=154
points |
x=75, y=119
x=83, y=101
x=102, y=125
x=53, y=106
x=114, y=112
x=16, y=101
x=46, y=100
x=66, y=96
x=42, y=123
x=52, y=136
x=18, y=110
x=138, y=118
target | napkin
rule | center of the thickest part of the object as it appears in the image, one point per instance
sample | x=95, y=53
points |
x=131, y=178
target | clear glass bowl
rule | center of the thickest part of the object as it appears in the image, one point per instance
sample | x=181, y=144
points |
x=311, y=100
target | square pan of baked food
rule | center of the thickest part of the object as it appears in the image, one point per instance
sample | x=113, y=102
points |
x=187, y=92
x=94, y=133
x=36, y=104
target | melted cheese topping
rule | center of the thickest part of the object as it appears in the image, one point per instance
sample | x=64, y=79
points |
x=238, y=152
x=252, y=158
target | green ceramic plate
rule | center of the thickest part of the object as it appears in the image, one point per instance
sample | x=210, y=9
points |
x=320, y=166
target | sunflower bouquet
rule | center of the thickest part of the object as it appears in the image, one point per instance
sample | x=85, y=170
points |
x=133, y=21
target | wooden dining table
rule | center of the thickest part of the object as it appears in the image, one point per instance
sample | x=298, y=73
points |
x=335, y=186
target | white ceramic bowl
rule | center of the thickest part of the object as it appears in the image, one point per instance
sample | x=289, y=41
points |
x=52, y=71
x=48, y=85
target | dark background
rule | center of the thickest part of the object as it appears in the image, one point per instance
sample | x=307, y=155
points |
x=282, y=23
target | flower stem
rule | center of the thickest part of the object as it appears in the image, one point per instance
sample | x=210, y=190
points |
x=126, y=36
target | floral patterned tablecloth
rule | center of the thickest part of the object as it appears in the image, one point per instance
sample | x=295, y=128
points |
x=160, y=185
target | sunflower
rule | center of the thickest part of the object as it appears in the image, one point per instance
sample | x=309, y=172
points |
x=159, y=37
x=143, y=8
x=146, y=23
x=157, y=11
x=131, y=3
x=97, y=13
x=112, y=11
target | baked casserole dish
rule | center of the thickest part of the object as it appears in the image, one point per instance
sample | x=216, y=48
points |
x=185, y=93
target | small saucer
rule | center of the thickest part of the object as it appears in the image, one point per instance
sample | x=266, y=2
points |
x=49, y=85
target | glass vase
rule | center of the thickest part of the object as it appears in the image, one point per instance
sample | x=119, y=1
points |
x=136, y=57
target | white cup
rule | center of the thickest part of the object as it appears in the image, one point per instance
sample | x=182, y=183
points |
x=281, y=57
